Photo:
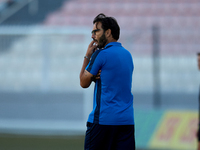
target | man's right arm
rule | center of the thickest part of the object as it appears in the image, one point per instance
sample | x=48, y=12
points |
x=85, y=76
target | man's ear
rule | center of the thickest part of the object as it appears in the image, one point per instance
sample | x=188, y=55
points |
x=108, y=33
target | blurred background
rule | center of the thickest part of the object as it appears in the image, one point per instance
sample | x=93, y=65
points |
x=42, y=45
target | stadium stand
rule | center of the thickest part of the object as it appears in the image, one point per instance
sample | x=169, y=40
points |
x=26, y=69
x=31, y=12
x=177, y=20
x=180, y=17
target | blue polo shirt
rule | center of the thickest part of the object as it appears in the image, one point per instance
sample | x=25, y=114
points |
x=113, y=100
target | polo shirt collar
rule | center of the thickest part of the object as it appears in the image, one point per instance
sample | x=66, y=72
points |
x=112, y=44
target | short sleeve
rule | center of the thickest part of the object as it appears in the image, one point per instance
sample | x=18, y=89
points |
x=96, y=62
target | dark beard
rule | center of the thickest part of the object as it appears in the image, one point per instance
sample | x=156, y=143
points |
x=102, y=41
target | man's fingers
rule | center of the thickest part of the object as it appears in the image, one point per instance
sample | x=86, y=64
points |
x=98, y=75
x=93, y=44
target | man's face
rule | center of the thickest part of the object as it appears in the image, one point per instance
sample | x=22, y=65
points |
x=98, y=35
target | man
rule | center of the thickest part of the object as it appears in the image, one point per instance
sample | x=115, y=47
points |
x=198, y=133
x=110, y=125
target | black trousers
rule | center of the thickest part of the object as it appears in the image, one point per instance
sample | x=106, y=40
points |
x=109, y=137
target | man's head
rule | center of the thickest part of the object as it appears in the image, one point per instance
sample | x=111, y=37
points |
x=105, y=30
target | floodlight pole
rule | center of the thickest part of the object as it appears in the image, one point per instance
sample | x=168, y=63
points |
x=156, y=66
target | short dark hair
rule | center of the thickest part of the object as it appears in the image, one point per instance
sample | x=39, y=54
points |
x=108, y=23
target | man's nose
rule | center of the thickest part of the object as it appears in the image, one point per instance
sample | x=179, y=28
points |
x=93, y=36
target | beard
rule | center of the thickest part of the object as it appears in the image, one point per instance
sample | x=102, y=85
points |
x=102, y=41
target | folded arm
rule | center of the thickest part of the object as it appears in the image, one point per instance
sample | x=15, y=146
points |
x=85, y=77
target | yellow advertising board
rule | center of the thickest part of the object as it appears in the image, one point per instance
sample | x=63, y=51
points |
x=176, y=130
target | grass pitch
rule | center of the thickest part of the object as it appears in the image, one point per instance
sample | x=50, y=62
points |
x=32, y=142
x=22, y=142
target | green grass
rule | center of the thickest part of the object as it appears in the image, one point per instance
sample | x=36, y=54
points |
x=31, y=142
x=22, y=142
